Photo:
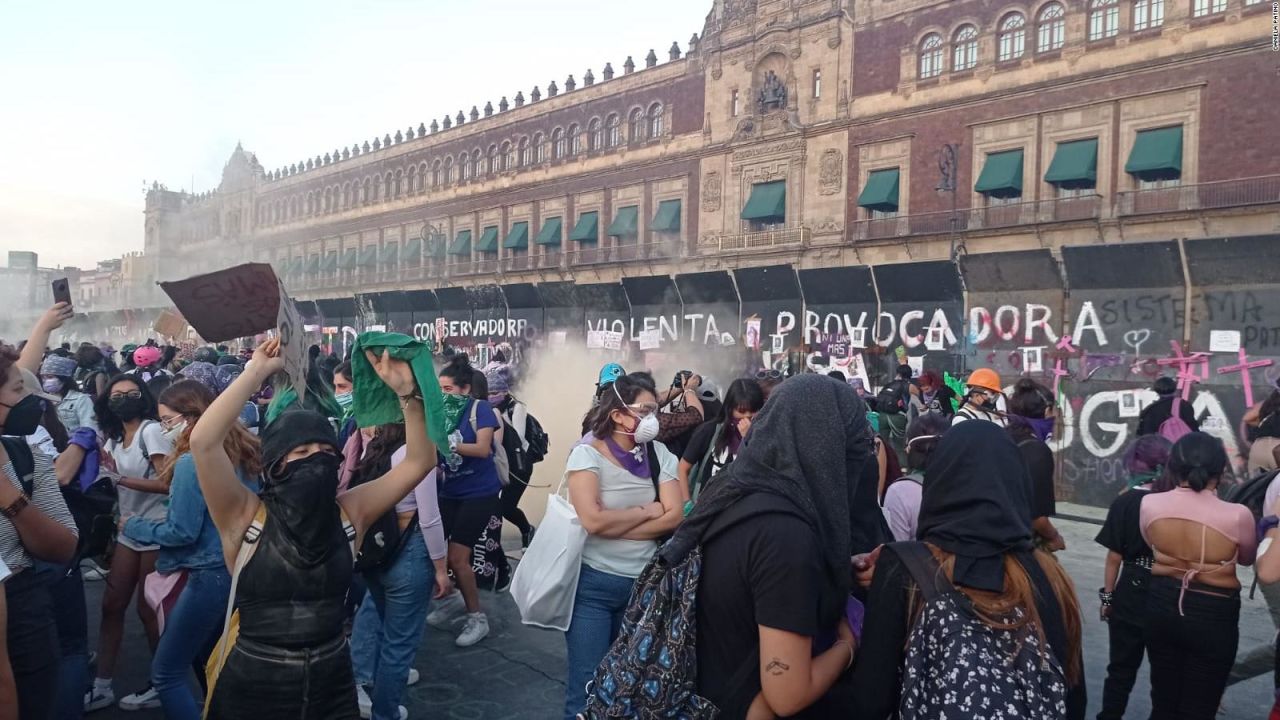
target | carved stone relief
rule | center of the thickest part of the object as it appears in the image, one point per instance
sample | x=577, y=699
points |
x=711, y=192
x=831, y=172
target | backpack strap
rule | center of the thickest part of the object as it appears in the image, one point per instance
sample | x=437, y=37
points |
x=24, y=462
x=349, y=529
x=923, y=567
x=248, y=546
x=1048, y=607
x=655, y=469
x=707, y=460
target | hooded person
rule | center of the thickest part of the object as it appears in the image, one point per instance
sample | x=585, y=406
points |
x=293, y=546
x=776, y=530
x=202, y=372
x=1158, y=412
x=75, y=409
x=515, y=415
x=975, y=524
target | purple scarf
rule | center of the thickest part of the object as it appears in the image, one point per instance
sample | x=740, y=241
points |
x=635, y=462
x=1041, y=428
x=735, y=438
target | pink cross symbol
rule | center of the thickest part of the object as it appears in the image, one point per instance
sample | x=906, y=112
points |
x=1243, y=368
x=1186, y=373
x=1064, y=344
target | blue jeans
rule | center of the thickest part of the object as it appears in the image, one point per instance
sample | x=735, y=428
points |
x=388, y=627
x=69, y=614
x=597, y=614
x=190, y=630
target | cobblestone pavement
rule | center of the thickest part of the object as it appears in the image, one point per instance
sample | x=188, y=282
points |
x=518, y=671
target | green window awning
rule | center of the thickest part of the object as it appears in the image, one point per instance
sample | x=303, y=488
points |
x=348, y=260
x=1156, y=154
x=368, y=256
x=313, y=265
x=1075, y=165
x=587, y=229
x=390, y=254
x=295, y=267
x=552, y=229
x=1001, y=176
x=330, y=263
x=626, y=222
x=413, y=250
x=881, y=191
x=488, y=242
x=461, y=244
x=517, y=237
x=667, y=218
x=768, y=201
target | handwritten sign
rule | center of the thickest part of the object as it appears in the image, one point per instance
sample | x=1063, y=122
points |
x=650, y=339
x=237, y=302
x=595, y=339
x=170, y=324
x=1224, y=341
x=293, y=344
x=612, y=340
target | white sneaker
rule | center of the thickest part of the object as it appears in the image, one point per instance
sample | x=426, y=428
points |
x=414, y=676
x=147, y=699
x=92, y=571
x=476, y=629
x=449, y=610
x=98, y=698
x=366, y=705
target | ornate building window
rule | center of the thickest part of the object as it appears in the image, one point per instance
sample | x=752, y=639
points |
x=386, y=187
x=539, y=149
x=505, y=157
x=575, y=140
x=817, y=84
x=635, y=130
x=557, y=144
x=930, y=56
x=364, y=193
x=1051, y=32
x=422, y=177
x=477, y=163
x=1104, y=19
x=1147, y=14
x=448, y=170
x=435, y=174
x=655, y=121
x=735, y=104
x=612, y=131
x=493, y=159
x=526, y=157
x=1013, y=37
x=311, y=201
x=595, y=135
x=397, y=184
x=411, y=180
x=1201, y=8
x=464, y=167
x=964, y=48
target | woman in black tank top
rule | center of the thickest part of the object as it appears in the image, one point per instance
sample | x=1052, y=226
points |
x=291, y=658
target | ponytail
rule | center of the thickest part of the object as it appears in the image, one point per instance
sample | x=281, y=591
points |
x=1198, y=460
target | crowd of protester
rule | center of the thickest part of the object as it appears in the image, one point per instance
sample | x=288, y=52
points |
x=789, y=547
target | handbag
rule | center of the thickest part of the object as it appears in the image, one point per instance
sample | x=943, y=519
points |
x=546, y=580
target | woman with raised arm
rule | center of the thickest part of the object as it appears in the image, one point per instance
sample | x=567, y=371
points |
x=290, y=658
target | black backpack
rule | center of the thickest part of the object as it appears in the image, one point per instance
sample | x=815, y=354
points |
x=383, y=540
x=1252, y=493
x=536, y=436
x=24, y=462
x=893, y=398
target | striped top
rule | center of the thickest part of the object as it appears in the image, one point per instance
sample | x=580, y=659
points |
x=46, y=497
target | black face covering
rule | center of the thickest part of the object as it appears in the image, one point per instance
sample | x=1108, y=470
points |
x=24, y=416
x=304, y=500
x=127, y=408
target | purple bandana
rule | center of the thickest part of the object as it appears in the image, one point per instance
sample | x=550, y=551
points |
x=635, y=461
x=1042, y=428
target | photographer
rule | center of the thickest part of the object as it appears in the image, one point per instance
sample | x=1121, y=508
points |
x=680, y=412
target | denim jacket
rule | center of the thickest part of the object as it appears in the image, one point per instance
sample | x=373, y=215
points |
x=187, y=537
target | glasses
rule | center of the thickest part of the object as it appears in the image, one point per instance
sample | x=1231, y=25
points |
x=170, y=422
x=643, y=409
x=132, y=395
x=769, y=375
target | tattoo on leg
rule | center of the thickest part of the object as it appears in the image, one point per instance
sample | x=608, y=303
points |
x=776, y=667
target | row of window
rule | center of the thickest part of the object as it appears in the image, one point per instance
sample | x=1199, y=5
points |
x=1049, y=32
x=553, y=231
x=600, y=135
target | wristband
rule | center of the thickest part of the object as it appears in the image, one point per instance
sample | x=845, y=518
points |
x=16, y=507
x=1105, y=597
x=851, y=652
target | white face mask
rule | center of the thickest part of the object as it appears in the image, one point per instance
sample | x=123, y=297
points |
x=647, y=429
x=175, y=432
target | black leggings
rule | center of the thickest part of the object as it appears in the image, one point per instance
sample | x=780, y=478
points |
x=1126, y=628
x=510, y=501
x=270, y=682
x=1191, y=652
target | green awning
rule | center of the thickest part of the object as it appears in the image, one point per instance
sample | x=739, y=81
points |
x=461, y=244
x=488, y=240
x=588, y=228
x=1001, y=175
x=313, y=265
x=413, y=250
x=1075, y=165
x=1156, y=154
x=330, y=263
x=626, y=222
x=518, y=237
x=295, y=267
x=368, y=256
x=390, y=254
x=552, y=229
x=768, y=201
x=881, y=191
x=348, y=260
x=668, y=217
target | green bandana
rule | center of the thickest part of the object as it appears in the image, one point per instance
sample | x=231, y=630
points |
x=453, y=407
x=376, y=404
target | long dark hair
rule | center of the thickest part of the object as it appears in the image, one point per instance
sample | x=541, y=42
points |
x=743, y=394
x=923, y=435
x=1270, y=406
x=387, y=439
x=1198, y=459
x=1029, y=399
x=459, y=370
x=57, y=431
x=479, y=386
x=624, y=392
x=111, y=425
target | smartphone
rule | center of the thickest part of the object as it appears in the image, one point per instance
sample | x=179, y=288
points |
x=61, y=291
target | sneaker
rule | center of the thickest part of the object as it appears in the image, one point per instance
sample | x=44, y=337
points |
x=414, y=676
x=526, y=537
x=476, y=629
x=366, y=705
x=98, y=698
x=91, y=571
x=502, y=582
x=147, y=699
x=449, y=610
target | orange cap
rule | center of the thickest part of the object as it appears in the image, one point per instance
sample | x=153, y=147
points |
x=985, y=378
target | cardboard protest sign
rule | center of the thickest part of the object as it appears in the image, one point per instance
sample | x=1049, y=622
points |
x=237, y=302
x=293, y=342
x=171, y=325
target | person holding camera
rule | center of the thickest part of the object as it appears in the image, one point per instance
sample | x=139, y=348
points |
x=680, y=412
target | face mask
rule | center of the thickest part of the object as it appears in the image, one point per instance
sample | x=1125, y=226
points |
x=24, y=416
x=345, y=400
x=304, y=499
x=646, y=430
x=175, y=432
x=53, y=386
x=1042, y=428
x=496, y=399
x=126, y=408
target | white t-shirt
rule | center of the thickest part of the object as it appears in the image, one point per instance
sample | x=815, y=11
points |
x=130, y=462
x=619, y=490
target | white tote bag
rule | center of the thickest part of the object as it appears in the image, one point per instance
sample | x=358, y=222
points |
x=546, y=580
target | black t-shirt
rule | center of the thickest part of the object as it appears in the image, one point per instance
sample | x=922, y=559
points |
x=1269, y=427
x=1122, y=531
x=699, y=442
x=1156, y=413
x=941, y=402
x=1039, y=459
x=765, y=571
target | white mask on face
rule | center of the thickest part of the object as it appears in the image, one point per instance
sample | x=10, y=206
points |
x=647, y=429
x=175, y=432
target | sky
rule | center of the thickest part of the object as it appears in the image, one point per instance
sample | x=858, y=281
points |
x=99, y=98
